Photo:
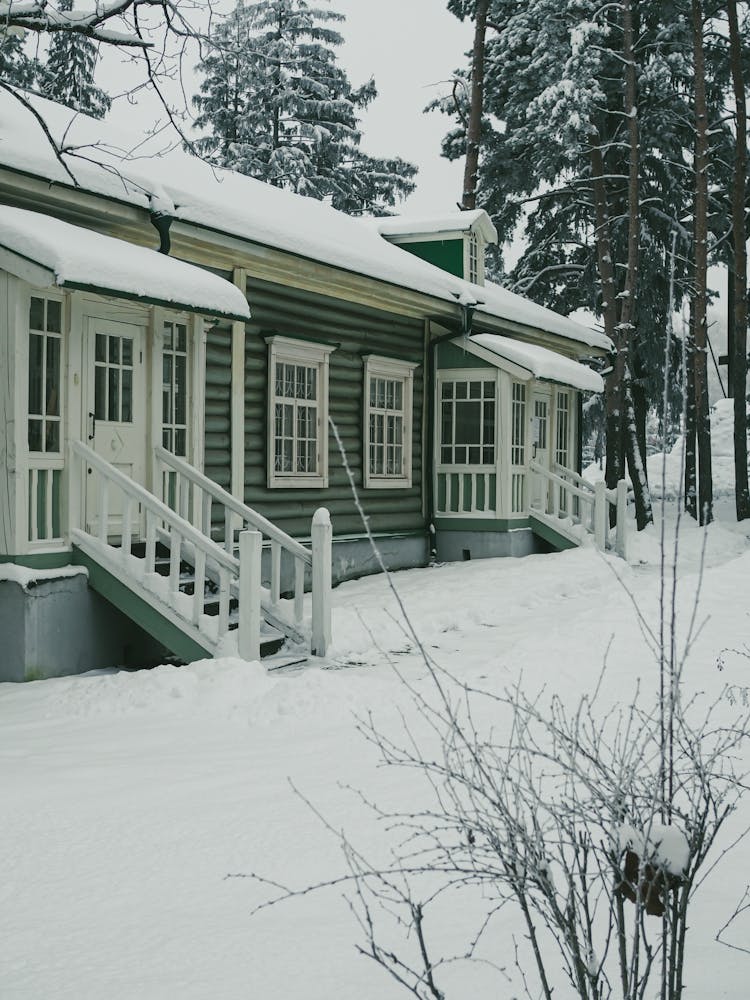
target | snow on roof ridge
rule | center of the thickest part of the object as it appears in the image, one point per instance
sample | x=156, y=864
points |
x=437, y=222
x=242, y=206
x=541, y=362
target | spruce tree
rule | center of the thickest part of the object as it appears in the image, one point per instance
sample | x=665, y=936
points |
x=277, y=106
x=16, y=68
x=68, y=74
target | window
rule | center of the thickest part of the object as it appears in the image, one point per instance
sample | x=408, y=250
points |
x=474, y=258
x=175, y=387
x=298, y=413
x=518, y=448
x=562, y=439
x=113, y=378
x=467, y=422
x=388, y=422
x=45, y=382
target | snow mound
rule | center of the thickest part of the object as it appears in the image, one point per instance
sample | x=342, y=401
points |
x=664, y=845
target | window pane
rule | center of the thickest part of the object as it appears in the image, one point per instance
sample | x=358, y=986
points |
x=54, y=316
x=181, y=337
x=114, y=350
x=36, y=353
x=101, y=347
x=36, y=313
x=100, y=392
x=489, y=390
x=180, y=389
x=53, y=376
x=167, y=336
x=180, y=442
x=399, y=396
x=127, y=396
x=447, y=390
x=113, y=408
x=460, y=390
x=52, y=442
x=35, y=435
x=475, y=390
x=468, y=417
x=127, y=351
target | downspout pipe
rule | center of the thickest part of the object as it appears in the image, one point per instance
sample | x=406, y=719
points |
x=162, y=222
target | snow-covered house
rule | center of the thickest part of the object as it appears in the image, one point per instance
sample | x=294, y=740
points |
x=153, y=404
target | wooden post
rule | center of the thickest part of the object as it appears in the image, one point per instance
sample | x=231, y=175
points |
x=621, y=544
x=275, y=572
x=251, y=545
x=600, y=515
x=321, y=581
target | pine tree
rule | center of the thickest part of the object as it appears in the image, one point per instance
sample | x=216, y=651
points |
x=277, y=106
x=16, y=68
x=68, y=74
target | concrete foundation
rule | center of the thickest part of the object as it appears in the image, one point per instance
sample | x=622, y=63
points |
x=454, y=546
x=54, y=627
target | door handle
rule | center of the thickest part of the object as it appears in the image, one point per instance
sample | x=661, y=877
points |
x=92, y=418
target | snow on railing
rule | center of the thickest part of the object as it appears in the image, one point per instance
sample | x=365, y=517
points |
x=198, y=499
x=567, y=496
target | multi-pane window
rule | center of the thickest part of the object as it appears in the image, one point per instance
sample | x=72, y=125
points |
x=562, y=438
x=518, y=422
x=540, y=424
x=113, y=378
x=473, y=253
x=175, y=388
x=298, y=397
x=467, y=422
x=45, y=381
x=388, y=396
x=296, y=419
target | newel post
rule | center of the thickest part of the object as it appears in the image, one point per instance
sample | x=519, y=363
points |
x=622, y=526
x=251, y=547
x=321, y=581
x=600, y=515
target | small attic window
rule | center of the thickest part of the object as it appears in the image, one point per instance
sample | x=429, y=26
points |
x=474, y=259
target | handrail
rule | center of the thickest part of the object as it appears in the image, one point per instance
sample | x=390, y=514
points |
x=575, y=477
x=187, y=532
x=234, y=505
x=560, y=481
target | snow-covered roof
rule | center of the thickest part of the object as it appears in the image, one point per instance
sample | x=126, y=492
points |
x=104, y=160
x=541, y=362
x=476, y=220
x=76, y=258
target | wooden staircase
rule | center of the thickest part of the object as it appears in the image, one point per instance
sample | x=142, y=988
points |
x=187, y=566
x=567, y=509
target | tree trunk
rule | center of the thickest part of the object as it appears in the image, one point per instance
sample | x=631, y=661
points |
x=702, y=418
x=739, y=360
x=615, y=460
x=474, y=129
x=635, y=457
x=691, y=486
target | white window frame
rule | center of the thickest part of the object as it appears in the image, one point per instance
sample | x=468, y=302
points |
x=377, y=366
x=287, y=350
x=477, y=240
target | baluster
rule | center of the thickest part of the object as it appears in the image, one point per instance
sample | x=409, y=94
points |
x=275, y=572
x=448, y=484
x=127, y=529
x=206, y=515
x=50, y=477
x=199, y=591
x=103, y=510
x=33, y=507
x=228, y=531
x=299, y=588
x=251, y=547
x=183, y=491
x=486, y=491
x=224, y=596
x=175, y=557
x=555, y=491
x=150, y=543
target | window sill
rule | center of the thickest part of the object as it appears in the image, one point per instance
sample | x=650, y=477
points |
x=387, y=483
x=297, y=482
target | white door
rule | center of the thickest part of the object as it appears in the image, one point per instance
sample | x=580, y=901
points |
x=541, y=403
x=115, y=414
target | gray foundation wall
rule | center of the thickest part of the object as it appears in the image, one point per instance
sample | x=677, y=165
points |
x=453, y=546
x=54, y=627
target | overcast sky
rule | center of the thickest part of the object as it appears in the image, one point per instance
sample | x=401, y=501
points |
x=411, y=47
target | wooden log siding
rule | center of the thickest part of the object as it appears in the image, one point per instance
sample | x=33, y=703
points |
x=356, y=330
x=217, y=463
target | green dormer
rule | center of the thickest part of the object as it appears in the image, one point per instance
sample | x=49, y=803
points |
x=454, y=242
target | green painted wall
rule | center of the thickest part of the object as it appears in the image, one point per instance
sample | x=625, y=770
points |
x=357, y=330
x=218, y=404
x=448, y=255
x=451, y=356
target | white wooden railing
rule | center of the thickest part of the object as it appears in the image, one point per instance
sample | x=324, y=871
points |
x=142, y=514
x=565, y=500
x=204, y=503
x=466, y=491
